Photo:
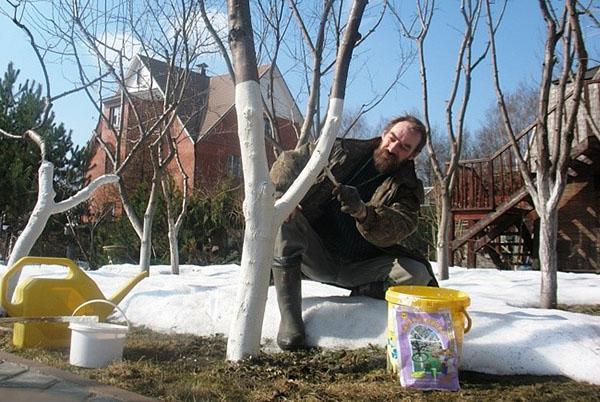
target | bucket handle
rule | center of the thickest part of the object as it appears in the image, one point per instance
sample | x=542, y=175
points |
x=106, y=302
x=469, y=321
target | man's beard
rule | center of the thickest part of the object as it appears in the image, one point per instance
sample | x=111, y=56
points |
x=384, y=161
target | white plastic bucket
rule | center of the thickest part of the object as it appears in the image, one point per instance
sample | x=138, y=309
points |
x=95, y=345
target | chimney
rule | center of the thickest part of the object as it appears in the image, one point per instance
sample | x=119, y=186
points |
x=202, y=67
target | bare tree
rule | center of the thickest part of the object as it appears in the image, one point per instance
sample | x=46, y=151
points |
x=175, y=220
x=417, y=30
x=143, y=56
x=45, y=206
x=554, y=127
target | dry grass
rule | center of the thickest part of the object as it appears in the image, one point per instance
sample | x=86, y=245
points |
x=190, y=368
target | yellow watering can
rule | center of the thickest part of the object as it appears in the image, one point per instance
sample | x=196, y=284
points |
x=48, y=297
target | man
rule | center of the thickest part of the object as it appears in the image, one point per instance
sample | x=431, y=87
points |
x=348, y=228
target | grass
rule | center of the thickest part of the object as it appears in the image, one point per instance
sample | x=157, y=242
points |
x=191, y=368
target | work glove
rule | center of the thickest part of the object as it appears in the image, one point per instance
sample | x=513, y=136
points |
x=351, y=202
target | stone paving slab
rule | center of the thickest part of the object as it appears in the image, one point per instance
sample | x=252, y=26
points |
x=8, y=369
x=70, y=390
x=29, y=379
x=26, y=380
x=33, y=395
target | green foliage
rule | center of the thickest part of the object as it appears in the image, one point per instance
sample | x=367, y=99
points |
x=214, y=219
x=21, y=109
x=211, y=231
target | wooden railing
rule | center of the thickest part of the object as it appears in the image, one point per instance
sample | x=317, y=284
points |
x=484, y=184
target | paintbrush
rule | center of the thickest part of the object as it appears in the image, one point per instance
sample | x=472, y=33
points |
x=331, y=177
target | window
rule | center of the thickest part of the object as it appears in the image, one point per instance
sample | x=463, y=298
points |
x=234, y=166
x=268, y=131
x=114, y=116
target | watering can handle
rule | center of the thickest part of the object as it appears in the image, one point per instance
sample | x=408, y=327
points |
x=24, y=261
x=105, y=302
x=469, y=321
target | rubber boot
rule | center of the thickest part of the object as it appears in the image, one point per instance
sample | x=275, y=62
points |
x=288, y=284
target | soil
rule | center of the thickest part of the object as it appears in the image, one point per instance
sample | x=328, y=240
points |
x=191, y=368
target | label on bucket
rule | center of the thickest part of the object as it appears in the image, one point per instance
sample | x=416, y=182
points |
x=426, y=349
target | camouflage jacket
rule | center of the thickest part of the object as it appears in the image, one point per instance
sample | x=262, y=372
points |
x=392, y=211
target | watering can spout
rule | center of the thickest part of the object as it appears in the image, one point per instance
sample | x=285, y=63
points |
x=121, y=293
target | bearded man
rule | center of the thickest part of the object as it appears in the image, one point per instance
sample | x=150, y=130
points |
x=350, y=234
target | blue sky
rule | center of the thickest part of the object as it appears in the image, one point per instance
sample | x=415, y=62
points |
x=520, y=43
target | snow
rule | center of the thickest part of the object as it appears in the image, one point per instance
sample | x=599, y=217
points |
x=509, y=335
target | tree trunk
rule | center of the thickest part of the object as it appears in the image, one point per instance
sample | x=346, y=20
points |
x=39, y=216
x=173, y=248
x=443, y=239
x=36, y=223
x=259, y=208
x=44, y=208
x=146, y=240
x=548, y=259
x=259, y=234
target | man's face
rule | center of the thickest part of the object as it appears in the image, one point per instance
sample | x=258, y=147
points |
x=397, y=145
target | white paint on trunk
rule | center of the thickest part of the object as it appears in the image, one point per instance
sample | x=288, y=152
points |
x=257, y=253
x=146, y=240
x=44, y=208
x=443, y=240
x=262, y=216
x=548, y=259
x=317, y=162
x=85, y=193
x=39, y=216
x=173, y=247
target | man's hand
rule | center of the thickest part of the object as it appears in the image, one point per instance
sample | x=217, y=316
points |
x=351, y=203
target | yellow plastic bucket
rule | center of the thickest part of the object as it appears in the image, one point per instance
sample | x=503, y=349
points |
x=429, y=300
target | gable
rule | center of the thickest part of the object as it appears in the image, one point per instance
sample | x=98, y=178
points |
x=285, y=105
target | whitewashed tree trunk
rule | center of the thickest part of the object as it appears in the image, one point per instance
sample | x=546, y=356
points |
x=44, y=208
x=146, y=239
x=39, y=216
x=317, y=162
x=262, y=216
x=173, y=247
x=443, y=239
x=548, y=259
x=257, y=252
x=245, y=332
x=174, y=224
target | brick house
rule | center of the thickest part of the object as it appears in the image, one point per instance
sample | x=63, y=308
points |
x=205, y=127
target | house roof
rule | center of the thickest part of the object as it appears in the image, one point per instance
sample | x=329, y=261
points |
x=221, y=99
x=205, y=99
x=592, y=73
x=192, y=109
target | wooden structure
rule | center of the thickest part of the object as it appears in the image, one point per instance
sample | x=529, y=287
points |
x=493, y=213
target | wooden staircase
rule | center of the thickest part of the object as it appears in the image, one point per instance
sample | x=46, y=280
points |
x=492, y=211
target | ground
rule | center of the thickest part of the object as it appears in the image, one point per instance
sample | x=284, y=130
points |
x=191, y=368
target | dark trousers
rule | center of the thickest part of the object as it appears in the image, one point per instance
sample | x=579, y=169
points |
x=297, y=243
